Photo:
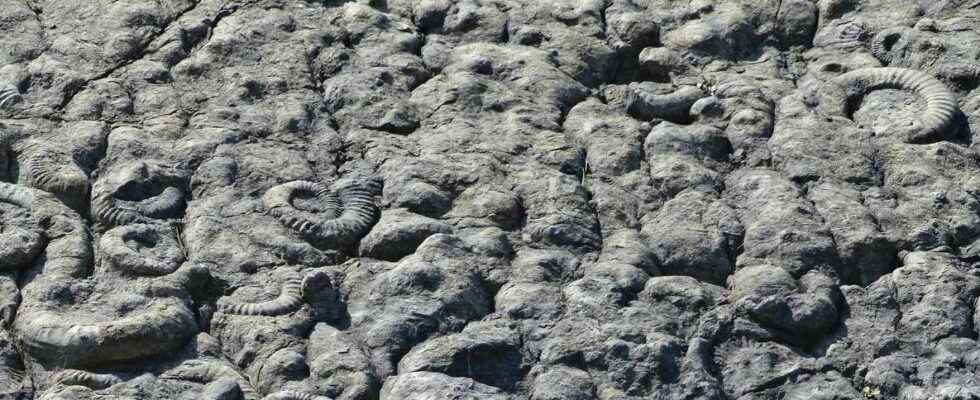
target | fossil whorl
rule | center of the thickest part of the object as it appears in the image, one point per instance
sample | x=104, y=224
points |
x=91, y=380
x=142, y=249
x=346, y=211
x=20, y=240
x=940, y=109
x=883, y=42
x=279, y=201
x=290, y=299
x=68, y=250
x=207, y=371
x=138, y=192
x=69, y=340
x=53, y=170
x=293, y=395
x=852, y=35
x=9, y=96
x=845, y=34
x=17, y=195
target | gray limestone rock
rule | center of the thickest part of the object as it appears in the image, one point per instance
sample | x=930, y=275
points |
x=489, y=199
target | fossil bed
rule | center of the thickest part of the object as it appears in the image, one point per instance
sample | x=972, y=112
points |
x=489, y=199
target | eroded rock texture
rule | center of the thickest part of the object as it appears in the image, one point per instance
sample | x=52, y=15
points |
x=489, y=199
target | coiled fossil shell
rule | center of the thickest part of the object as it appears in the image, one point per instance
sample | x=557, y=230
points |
x=68, y=250
x=293, y=395
x=207, y=371
x=20, y=241
x=78, y=339
x=9, y=96
x=17, y=195
x=881, y=43
x=346, y=214
x=74, y=377
x=674, y=106
x=48, y=164
x=932, y=125
x=142, y=249
x=915, y=48
x=853, y=34
x=139, y=192
x=72, y=340
x=920, y=48
x=289, y=300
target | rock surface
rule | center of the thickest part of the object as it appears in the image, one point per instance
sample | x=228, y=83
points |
x=489, y=199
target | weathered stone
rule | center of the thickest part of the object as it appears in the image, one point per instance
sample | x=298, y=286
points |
x=489, y=199
x=421, y=385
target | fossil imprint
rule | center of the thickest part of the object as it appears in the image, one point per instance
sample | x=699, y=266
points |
x=882, y=42
x=53, y=170
x=207, y=371
x=20, y=241
x=294, y=292
x=68, y=251
x=924, y=49
x=9, y=96
x=673, y=106
x=845, y=92
x=141, y=249
x=346, y=211
x=78, y=337
x=138, y=192
x=292, y=395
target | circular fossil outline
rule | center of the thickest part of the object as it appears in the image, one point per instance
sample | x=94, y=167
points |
x=289, y=300
x=351, y=211
x=121, y=256
x=68, y=250
x=293, y=395
x=941, y=107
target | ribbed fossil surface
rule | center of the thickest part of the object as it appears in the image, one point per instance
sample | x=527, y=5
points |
x=74, y=377
x=489, y=199
x=940, y=104
x=209, y=372
x=141, y=250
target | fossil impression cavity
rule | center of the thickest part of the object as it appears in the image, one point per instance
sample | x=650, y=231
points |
x=339, y=215
x=142, y=249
